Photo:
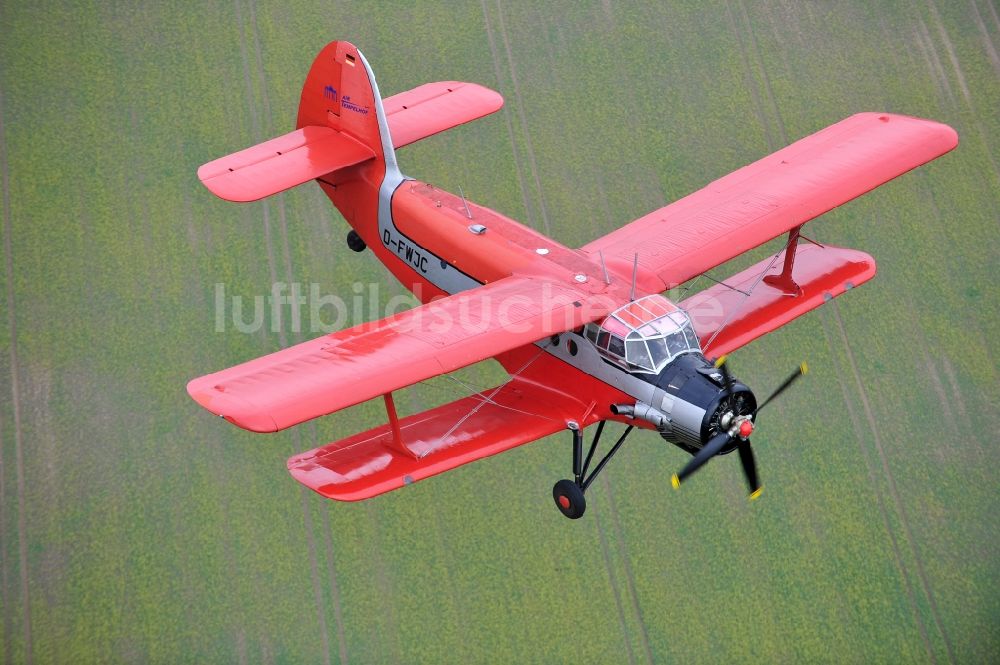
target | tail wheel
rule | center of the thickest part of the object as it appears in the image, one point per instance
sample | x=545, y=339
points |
x=355, y=242
x=569, y=499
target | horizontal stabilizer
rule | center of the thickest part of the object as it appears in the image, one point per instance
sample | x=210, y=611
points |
x=435, y=107
x=821, y=273
x=281, y=163
x=434, y=441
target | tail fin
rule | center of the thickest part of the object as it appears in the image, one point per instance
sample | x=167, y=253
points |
x=342, y=123
x=340, y=92
x=338, y=127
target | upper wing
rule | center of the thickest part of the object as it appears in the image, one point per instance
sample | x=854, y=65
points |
x=435, y=107
x=281, y=163
x=775, y=194
x=350, y=366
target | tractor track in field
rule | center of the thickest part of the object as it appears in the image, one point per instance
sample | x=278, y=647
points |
x=619, y=610
x=932, y=58
x=949, y=50
x=866, y=404
x=257, y=129
x=8, y=656
x=627, y=567
x=519, y=101
x=384, y=586
x=959, y=402
x=331, y=572
x=15, y=393
x=630, y=587
x=880, y=499
x=754, y=95
x=993, y=14
x=942, y=395
x=327, y=535
x=922, y=37
x=752, y=52
x=900, y=505
x=522, y=184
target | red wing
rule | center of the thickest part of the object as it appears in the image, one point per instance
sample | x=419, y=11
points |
x=484, y=424
x=281, y=163
x=435, y=107
x=350, y=366
x=775, y=194
x=726, y=319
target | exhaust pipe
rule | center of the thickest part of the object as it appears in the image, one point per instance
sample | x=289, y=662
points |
x=643, y=411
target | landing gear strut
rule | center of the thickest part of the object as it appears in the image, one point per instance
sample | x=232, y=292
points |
x=569, y=494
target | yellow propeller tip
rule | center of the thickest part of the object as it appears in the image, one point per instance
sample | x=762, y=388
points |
x=756, y=493
x=804, y=367
x=675, y=481
x=721, y=361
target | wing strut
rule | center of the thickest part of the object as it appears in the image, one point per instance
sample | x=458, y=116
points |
x=397, y=434
x=784, y=280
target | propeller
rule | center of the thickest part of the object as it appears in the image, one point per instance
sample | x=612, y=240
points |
x=802, y=369
x=742, y=435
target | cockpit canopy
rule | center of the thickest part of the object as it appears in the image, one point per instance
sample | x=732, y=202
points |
x=644, y=335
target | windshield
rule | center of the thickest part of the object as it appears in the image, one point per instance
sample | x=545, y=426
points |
x=645, y=334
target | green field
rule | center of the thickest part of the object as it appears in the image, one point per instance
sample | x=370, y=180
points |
x=137, y=528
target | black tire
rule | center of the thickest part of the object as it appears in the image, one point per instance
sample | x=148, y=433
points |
x=569, y=499
x=355, y=242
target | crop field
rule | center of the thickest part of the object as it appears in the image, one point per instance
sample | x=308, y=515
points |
x=134, y=527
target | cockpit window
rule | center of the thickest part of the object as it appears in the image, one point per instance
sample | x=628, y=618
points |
x=638, y=354
x=645, y=335
x=616, y=346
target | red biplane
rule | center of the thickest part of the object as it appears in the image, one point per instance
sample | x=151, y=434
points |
x=584, y=333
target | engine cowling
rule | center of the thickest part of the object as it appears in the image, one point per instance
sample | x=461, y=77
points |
x=694, y=404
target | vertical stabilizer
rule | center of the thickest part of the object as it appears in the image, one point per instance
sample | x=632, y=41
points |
x=340, y=92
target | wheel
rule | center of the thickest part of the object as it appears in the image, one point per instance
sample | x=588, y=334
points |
x=569, y=499
x=355, y=242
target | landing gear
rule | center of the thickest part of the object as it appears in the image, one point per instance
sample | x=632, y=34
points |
x=569, y=494
x=355, y=242
x=569, y=499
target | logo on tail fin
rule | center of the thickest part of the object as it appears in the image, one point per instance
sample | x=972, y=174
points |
x=330, y=93
x=351, y=106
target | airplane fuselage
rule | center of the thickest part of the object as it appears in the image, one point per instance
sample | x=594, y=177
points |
x=436, y=244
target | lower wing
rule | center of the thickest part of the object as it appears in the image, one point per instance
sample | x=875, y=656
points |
x=425, y=444
x=748, y=305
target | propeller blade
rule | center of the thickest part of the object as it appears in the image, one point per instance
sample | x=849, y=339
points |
x=723, y=367
x=749, y=467
x=714, y=445
x=802, y=369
